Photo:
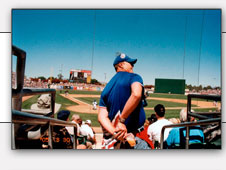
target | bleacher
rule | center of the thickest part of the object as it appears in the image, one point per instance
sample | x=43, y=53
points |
x=28, y=119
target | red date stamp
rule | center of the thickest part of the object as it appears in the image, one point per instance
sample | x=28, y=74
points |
x=57, y=139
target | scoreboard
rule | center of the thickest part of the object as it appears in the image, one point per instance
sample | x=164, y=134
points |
x=80, y=76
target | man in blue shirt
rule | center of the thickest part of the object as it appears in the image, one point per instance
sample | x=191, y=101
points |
x=123, y=94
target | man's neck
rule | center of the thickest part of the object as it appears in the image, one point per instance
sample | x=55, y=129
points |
x=161, y=118
x=123, y=70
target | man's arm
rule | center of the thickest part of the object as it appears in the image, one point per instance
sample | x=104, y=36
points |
x=150, y=133
x=105, y=122
x=91, y=136
x=131, y=104
x=133, y=101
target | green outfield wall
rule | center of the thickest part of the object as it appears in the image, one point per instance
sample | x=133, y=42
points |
x=173, y=86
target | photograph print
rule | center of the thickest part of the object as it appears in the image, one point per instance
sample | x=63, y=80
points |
x=140, y=79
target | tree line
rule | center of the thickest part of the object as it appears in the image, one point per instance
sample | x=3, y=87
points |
x=191, y=87
x=200, y=87
x=59, y=79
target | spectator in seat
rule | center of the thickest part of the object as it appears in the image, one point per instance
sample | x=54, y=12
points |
x=31, y=135
x=174, y=120
x=154, y=130
x=82, y=135
x=88, y=131
x=177, y=136
x=152, y=119
x=61, y=137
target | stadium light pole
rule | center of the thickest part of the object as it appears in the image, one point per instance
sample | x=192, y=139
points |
x=200, y=48
x=105, y=77
x=185, y=32
x=94, y=32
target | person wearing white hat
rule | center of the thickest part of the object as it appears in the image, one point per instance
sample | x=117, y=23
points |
x=88, y=131
x=88, y=122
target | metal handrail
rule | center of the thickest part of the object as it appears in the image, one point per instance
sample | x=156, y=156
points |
x=27, y=118
x=187, y=125
x=200, y=96
x=20, y=69
x=37, y=112
x=29, y=92
x=202, y=115
x=207, y=96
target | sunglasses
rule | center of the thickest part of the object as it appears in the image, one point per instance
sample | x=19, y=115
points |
x=131, y=64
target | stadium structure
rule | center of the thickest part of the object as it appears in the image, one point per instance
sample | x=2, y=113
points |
x=80, y=76
x=171, y=86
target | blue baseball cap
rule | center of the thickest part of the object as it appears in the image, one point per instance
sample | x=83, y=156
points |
x=63, y=115
x=123, y=57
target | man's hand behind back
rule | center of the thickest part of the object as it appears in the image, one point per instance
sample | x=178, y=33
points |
x=121, y=131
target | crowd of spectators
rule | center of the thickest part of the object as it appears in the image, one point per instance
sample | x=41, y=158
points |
x=175, y=138
x=208, y=91
x=85, y=133
x=37, y=136
x=29, y=83
x=38, y=83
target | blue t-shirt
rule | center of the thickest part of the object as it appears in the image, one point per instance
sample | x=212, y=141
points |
x=115, y=95
x=177, y=136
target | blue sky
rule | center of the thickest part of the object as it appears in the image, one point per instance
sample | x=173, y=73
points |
x=64, y=38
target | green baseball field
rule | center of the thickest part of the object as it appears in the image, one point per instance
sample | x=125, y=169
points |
x=80, y=102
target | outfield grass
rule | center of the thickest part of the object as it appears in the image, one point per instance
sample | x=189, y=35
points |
x=64, y=101
x=86, y=116
x=171, y=96
x=93, y=117
x=27, y=103
x=59, y=99
x=175, y=113
x=79, y=92
x=160, y=95
x=175, y=96
x=88, y=100
x=153, y=103
x=169, y=114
